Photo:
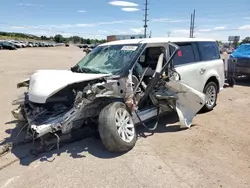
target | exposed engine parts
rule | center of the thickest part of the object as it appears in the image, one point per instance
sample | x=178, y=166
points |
x=50, y=118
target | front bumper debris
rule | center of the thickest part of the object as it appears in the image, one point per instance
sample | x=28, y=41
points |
x=18, y=114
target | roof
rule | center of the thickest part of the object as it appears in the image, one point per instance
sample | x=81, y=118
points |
x=157, y=40
x=125, y=35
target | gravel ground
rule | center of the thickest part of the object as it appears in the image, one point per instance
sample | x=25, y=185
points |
x=213, y=153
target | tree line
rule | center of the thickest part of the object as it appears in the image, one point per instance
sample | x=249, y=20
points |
x=244, y=41
x=57, y=38
x=19, y=35
x=76, y=39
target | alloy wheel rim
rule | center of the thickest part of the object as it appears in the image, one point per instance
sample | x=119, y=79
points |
x=125, y=125
x=211, y=96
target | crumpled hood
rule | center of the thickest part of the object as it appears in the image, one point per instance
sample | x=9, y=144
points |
x=44, y=83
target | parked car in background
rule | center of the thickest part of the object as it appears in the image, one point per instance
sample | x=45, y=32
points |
x=51, y=44
x=30, y=44
x=7, y=45
x=242, y=57
x=83, y=46
x=89, y=48
x=24, y=44
x=16, y=45
x=35, y=44
x=40, y=44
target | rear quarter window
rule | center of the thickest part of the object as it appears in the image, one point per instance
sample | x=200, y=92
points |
x=185, y=55
x=208, y=51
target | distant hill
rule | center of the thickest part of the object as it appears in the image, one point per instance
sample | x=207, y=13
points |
x=57, y=38
x=18, y=36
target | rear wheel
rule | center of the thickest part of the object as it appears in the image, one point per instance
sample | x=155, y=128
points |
x=211, y=91
x=116, y=128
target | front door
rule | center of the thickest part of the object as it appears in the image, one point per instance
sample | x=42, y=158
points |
x=187, y=99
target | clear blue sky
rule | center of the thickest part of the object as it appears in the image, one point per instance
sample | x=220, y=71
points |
x=99, y=18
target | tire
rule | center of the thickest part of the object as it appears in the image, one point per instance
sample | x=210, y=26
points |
x=108, y=128
x=208, y=107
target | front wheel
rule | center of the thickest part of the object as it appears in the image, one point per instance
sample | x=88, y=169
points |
x=116, y=128
x=211, y=91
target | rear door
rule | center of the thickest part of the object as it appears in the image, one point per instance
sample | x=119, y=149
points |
x=197, y=62
x=211, y=62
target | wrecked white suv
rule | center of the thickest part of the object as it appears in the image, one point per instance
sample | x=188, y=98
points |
x=121, y=84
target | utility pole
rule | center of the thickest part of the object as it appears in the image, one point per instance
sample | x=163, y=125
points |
x=145, y=19
x=150, y=34
x=191, y=25
x=191, y=33
x=169, y=34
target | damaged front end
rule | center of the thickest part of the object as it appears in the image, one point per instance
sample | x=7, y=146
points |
x=71, y=107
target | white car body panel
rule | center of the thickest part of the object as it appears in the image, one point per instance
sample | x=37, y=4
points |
x=45, y=83
x=197, y=74
x=214, y=68
x=190, y=75
x=155, y=40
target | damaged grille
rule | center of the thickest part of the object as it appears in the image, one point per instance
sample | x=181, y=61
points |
x=42, y=115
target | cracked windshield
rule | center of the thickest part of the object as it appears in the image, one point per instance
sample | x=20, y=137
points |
x=110, y=59
x=124, y=93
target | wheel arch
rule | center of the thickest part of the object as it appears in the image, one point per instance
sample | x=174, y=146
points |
x=215, y=80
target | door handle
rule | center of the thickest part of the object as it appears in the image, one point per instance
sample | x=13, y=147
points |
x=202, y=70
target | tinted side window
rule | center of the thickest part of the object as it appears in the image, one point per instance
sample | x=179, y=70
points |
x=184, y=55
x=208, y=51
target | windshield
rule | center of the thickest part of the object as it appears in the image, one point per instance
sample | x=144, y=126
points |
x=112, y=59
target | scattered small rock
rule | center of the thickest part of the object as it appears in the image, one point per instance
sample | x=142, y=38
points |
x=160, y=167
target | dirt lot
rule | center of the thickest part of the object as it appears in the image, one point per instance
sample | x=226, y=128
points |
x=215, y=152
